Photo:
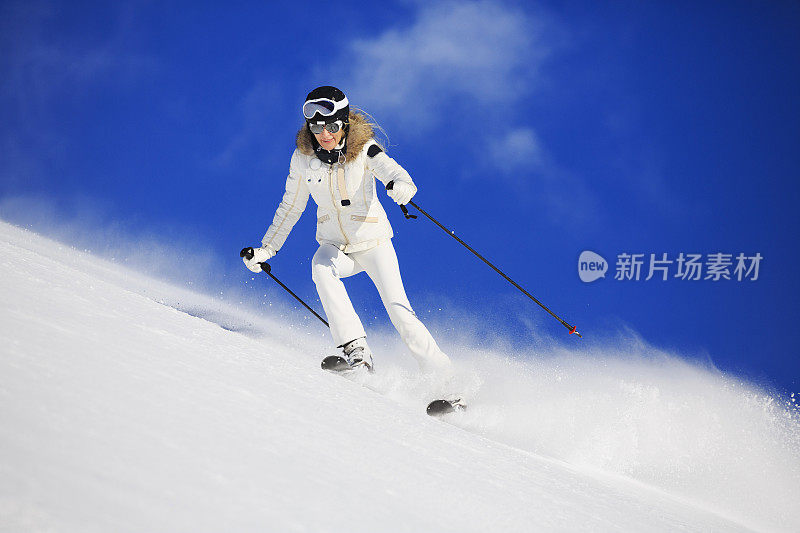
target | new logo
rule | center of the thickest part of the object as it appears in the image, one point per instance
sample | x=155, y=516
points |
x=591, y=266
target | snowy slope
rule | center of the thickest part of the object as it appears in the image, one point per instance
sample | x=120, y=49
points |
x=119, y=412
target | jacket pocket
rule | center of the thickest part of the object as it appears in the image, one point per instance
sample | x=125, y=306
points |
x=362, y=218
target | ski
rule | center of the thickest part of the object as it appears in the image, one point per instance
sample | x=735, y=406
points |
x=338, y=364
x=335, y=363
x=443, y=407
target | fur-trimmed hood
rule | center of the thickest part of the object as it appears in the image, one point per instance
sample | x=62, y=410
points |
x=359, y=134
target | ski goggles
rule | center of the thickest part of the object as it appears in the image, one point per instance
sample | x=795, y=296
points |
x=332, y=127
x=324, y=106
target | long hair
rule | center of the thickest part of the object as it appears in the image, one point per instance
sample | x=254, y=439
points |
x=369, y=119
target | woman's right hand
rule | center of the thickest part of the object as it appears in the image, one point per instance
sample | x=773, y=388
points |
x=260, y=255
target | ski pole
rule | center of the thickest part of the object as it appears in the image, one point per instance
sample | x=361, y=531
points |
x=248, y=253
x=572, y=329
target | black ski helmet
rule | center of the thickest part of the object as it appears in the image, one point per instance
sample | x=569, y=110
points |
x=325, y=95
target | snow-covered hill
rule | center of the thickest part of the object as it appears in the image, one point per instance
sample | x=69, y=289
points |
x=127, y=404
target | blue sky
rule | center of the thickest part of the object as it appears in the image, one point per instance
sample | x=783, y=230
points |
x=536, y=131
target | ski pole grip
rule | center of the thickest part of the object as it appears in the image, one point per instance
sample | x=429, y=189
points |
x=403, y=208
x=248, y=254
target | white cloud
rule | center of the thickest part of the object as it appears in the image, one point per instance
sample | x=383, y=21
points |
x=253, y=123
x=519, y=157
x=518, y=149
x=478, y=61
x=455, y=59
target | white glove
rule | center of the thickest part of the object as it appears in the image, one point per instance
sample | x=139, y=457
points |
x=402, y=192
x=260, y=255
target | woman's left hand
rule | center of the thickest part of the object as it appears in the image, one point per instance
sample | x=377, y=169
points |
x=402, y=192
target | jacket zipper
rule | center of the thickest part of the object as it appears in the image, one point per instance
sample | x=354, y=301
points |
x=333, y=200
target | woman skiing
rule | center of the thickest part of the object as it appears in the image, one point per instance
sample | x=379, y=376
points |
x=336, y=162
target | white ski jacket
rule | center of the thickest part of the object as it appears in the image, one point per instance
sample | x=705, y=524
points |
x=349, y=215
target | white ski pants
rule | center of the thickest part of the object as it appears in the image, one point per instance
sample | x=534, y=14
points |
x=328, y=268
